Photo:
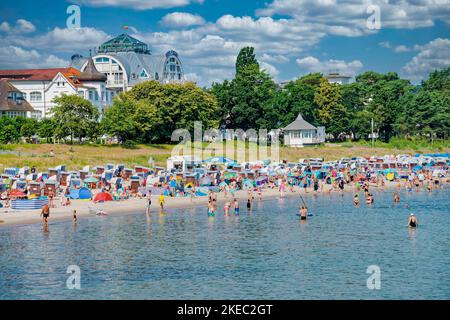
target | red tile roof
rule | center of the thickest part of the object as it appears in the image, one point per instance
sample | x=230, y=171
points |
x=36, y=74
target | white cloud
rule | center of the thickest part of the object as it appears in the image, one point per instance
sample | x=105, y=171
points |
x=270, y=69
x=274, y=58
x=25, y=26
x=63, y=40
x=5, y=27
x=138, y=4
x=21, y=26
x=12, y=57
x=349, y=17
x=181, y=19
x=312, y=64
x=433, y=56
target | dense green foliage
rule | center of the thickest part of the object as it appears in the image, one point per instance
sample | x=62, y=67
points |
x=150, y=112
x=396, y=107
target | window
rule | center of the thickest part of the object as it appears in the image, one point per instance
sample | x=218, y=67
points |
x=156, y=76
x=35, y=96
x=91, y=95
x=143, y=74
x=96, y=95
x=102, y=60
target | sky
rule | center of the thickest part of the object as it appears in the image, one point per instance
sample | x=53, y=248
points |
x=291, y=37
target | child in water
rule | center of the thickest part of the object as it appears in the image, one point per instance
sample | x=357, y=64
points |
x=236, y=207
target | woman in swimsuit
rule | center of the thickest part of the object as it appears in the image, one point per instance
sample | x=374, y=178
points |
x=412, y=221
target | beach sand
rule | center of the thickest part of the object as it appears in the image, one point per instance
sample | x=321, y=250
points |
x=9, y=217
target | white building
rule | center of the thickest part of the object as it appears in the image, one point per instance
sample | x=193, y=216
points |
x=127, y=61
x=300, y=133
x=41, y=86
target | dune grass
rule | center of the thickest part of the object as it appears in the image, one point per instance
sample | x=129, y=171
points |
x=77, y=156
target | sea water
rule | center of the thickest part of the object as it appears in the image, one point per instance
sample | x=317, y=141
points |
x=263, y=254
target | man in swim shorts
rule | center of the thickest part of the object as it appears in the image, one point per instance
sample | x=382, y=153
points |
x=45, y=213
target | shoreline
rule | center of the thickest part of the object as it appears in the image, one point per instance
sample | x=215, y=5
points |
x=11, y=218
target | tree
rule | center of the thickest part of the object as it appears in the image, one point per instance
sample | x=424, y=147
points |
x=118, y=120
x=151, y=111
x=74, y=117
x=439, y=80
x=297, y=97
x=8, y=130
x=247, y=100
x=332, y=113
x=245, y=58
x=29, y=128
x=46, y=129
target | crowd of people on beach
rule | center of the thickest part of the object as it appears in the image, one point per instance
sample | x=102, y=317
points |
x=290, y=180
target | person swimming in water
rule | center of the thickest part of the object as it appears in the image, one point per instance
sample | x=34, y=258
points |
x=412, y=221
x=356, y=200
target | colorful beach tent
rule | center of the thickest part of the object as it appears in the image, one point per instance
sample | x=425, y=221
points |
x=84, y=194
x=103, y=196
x=18, y=194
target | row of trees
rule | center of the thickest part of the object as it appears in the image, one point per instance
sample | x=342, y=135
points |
x=398, y=108
x=150, y=112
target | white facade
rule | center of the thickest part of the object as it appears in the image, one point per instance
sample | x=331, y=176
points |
x=300, y=138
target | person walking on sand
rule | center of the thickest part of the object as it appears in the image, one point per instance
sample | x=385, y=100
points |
x=45, y=213
x=51, y=195
x=162, y=201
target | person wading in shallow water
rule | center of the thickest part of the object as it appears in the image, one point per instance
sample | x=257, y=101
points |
x=45, y=213
x=356, y=200
x=303, y=212
x=396, y=198
x=412, y=221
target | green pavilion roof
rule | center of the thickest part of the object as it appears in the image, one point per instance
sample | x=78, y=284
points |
x=124, y=43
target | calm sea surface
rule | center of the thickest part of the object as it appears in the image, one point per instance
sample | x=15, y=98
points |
x=267, y=254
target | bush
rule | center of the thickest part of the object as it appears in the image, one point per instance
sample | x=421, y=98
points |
x=130, y=144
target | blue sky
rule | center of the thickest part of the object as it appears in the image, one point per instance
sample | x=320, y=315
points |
x=291, y=37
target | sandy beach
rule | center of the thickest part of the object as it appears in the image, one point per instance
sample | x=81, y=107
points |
x=10, y=217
